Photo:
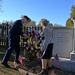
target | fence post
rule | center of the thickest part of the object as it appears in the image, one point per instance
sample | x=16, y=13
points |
x=7, y=26
x=2, y=34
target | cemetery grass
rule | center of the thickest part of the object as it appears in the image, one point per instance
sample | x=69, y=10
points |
x=29, y=68
x=8, y=71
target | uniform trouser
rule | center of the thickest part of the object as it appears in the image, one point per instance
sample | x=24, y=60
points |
x=12, y=45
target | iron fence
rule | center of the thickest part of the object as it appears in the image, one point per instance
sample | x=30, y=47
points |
x=4, y=30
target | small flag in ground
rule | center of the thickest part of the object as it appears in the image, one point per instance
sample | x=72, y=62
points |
x=20, y=59
x=56, y=62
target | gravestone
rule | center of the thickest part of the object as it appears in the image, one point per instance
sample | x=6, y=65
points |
x=63, y=41
x=69, y=65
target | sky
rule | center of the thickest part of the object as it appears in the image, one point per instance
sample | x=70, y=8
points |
x=56, y=11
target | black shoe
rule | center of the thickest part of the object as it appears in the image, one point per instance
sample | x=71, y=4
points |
x=6, y=65
x=43, y=72
x=17, y=61
x=49, y=68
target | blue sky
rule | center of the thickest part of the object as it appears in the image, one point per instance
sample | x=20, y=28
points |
x=56, y=11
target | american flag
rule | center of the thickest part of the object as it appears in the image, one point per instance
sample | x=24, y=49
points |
x=20, y=59
x=56, y=62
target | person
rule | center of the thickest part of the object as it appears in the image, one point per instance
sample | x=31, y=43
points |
x=46, y=47
x=14, y=39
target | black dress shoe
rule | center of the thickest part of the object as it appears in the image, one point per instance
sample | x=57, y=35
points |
x=49, y=68
x=6, y=65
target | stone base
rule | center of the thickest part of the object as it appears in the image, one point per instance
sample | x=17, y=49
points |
x=68, y=65
x=72, y=56
x=22, y=71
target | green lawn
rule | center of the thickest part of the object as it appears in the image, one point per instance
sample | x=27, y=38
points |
x=13, y=71
x=7, y=71
x=2, y=52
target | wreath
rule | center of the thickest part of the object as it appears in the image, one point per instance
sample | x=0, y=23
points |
x=31, y=49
